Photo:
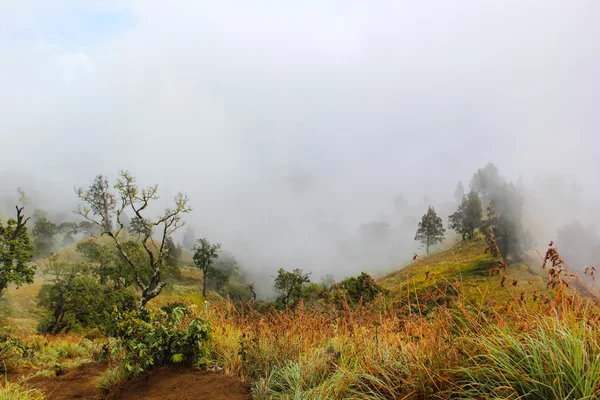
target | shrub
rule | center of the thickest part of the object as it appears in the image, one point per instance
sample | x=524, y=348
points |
x=356, y=289
x=150, y=340
x=12, y=349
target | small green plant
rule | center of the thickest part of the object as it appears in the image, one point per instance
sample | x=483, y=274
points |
x=151, y=339
x=112, y=377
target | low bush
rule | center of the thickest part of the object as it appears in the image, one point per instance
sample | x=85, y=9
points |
x=150, y=340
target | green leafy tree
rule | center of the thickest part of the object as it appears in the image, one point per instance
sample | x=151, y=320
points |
x=204, y=257
x=44, y=232
x=431, y=230
x=362, y=288
x=16, y=252
x=108, y=265
x=467, y=219
x=290, y=286
x=102, y=206
x=75, y=298
x=68, y=230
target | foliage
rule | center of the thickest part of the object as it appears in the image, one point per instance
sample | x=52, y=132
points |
x=353, y=290
x=16, y=253
x=467, y=219
x=108, y=264
x=204, y=257
x=103, y=207
x=43, y=233
x=503, y=226
x=431, y=229
x=290, y=286
x=12, y=349
x=150, y=340
x=75, y=298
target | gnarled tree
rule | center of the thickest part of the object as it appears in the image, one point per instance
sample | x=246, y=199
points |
x=103, y=206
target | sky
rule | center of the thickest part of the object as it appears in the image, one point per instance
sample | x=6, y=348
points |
x=291, y=123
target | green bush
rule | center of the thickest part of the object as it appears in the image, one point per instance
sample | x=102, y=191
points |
x=150, y=340
x=356, y=289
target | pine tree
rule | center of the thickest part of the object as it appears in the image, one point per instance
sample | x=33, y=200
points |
x=468, y=216
x=431, y=230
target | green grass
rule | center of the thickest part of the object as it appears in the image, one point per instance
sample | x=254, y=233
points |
x=14, y=391
x=465, y=266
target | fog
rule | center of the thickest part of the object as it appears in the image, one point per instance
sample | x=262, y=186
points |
x=290, y=124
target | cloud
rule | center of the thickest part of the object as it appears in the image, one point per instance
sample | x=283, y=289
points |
x=281, y=118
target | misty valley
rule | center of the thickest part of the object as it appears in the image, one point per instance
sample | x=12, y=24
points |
x=341, y=200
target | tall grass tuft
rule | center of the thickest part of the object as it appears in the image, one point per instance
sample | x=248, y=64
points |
x=557, y=360
x=14, y=391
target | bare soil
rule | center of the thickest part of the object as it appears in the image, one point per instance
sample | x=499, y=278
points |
x=168, y=383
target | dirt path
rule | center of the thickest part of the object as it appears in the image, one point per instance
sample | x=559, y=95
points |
x=167, y=383
x=182, y=384
x=79, y=383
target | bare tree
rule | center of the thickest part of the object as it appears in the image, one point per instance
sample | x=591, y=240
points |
x=103, y=206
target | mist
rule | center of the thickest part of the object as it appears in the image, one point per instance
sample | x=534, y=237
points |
x=290, y=125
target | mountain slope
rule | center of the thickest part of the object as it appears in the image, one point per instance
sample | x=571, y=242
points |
x=466, y=266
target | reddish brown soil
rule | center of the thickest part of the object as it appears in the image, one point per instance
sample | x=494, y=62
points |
x=181, y=383
x=167, y=383
x=75, y=384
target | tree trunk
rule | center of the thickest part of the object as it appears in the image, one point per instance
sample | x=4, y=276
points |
x=204, y=279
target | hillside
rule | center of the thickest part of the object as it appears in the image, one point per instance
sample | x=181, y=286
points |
x=466, y=266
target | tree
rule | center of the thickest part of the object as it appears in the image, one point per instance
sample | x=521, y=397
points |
x=43, y=233
x=503, y=227
x=289, y=285
x=16, y=252
x=107, y=264
x=189, y=238
x=68, y=230
x=431, y=229
x=356, y=289
x=468, y=217
x=75, y=298
x=204, y=257
x=102, y=207
x=459, y=193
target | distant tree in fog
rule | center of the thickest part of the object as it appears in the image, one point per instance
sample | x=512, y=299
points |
x=467, y=219
x=189, y=238
x=459, y=193
x=431, y=230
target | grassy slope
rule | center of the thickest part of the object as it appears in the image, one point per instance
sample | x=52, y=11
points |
x=466, y=264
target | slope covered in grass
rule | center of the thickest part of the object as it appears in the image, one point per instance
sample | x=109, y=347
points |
x=466, y=266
